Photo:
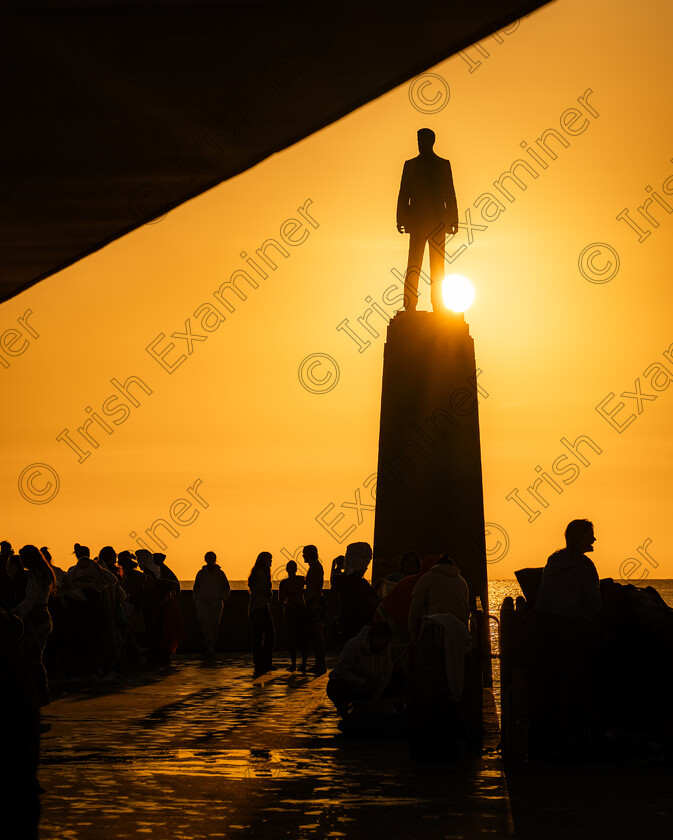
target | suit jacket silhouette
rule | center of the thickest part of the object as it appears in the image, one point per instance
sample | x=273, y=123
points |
x=427, y=196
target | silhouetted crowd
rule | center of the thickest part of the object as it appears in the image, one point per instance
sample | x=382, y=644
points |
x=303, y=604
x=81, y=625
x=93, y=620
x=104, y=614
x=405, y=664
x=597, y=655
x=594, y=658
x=409, y=654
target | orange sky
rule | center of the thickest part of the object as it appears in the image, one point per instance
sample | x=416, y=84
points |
x=265, y=457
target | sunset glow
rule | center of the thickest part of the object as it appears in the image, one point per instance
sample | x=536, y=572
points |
x=457, y=292
x=212, y=381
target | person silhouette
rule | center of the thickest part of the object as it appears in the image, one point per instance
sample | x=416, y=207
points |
x=211, y=589
x=315, y=580
x=34, y=613
x=427, y=211
x=261, y=595
x=295, y=614
x=564, y=718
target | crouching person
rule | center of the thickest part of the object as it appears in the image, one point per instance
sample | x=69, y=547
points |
x=360, y=678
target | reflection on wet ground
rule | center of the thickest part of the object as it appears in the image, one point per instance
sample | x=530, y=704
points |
x=206, y=752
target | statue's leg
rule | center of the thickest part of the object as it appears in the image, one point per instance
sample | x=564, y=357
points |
x=437, y=240
x=416, y=248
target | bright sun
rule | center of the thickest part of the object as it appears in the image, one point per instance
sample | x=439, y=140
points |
x=457, y=292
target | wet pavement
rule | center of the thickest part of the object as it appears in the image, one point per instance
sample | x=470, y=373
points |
x=204, y=751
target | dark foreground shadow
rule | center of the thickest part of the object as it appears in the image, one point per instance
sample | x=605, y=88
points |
x=561, y=801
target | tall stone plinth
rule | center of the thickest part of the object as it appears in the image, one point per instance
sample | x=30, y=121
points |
x=429, y=494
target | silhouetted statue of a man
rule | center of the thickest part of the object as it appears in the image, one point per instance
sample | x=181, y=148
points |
x=427, y=211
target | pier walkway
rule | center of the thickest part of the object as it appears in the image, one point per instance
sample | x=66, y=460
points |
x=206, y=752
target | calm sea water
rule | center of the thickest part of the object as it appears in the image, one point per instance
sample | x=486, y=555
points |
x=498, y=590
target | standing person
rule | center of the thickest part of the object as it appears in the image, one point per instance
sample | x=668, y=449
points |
x=315, y=580
x=166, y=573
x=115, y=617
x=153, y=612
x=107, y=559
x=133, y=584
x=6, y=594
x=261, y=593
x=211, y=589
x=569, y=585
x=295, y=614
x=396, y=605
x=96, y=629
x=564, y=708
x=59, y=574
x=146, y=562
x=18, y=580
x=86, y=572
x=34, y=612
x=54, y=656
x=357, y=599
x=19, y=735
x=333, y=599
x=409, y=564
x=169, y=615
x=438, y=624
x=427, y=211
x=442, y=590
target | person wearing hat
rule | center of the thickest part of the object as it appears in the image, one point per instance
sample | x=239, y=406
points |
x=146, y=562
x=166, y=573
x=133, y=583
x=169, y=614
x=157, y=596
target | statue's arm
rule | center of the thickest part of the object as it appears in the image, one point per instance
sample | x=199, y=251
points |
x=450, y=201
x=403, y=200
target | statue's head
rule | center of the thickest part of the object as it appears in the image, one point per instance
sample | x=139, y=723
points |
x=426, y=139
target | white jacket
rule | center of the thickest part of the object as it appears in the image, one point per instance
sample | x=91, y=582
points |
x=456, y=642
x=441, y=590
